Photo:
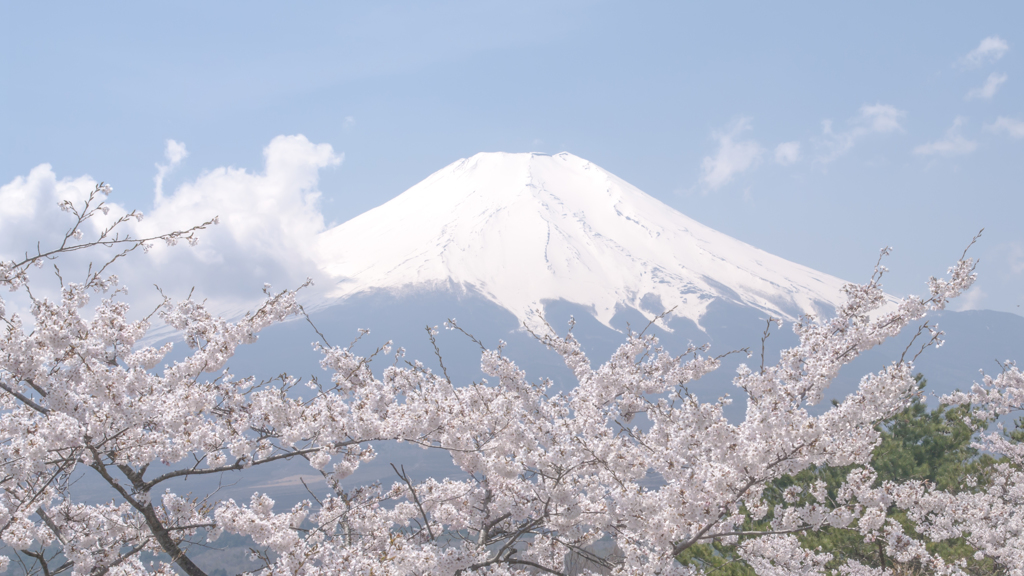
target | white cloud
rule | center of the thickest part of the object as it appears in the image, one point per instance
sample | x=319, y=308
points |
x=987, y=91
x=29, y=212
x=1011, y=127
x=273, y=215
x=989, y=50
x=268, y=222
x=30, y=219
x=175, y=152
x=971, y=300
x=787, y=153
x=882, y=118
x=349, y=122
x=733, y=156
x=873, y=119
x=953, y=144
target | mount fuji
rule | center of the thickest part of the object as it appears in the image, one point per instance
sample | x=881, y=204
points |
x=502, y=240
x=498, y=240
x=524, y=230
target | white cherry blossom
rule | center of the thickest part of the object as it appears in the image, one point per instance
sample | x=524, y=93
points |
x=548, y=476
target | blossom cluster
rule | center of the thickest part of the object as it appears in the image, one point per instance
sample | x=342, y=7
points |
x=628, y=457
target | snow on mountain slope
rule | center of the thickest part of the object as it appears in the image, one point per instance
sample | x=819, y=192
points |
x=525, y=229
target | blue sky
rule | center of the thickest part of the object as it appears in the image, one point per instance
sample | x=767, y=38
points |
x=816, y=132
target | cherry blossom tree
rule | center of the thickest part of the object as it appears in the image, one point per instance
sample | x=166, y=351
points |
x=629, y=457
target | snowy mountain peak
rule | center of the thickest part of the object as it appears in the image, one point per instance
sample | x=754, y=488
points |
x=525, y=229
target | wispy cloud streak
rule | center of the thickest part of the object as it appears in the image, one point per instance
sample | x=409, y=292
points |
x=989, y=50
x=988, y=90
x=733, y=157
x=873, y=119
x=952, y=144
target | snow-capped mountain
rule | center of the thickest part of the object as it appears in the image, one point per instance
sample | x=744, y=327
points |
x=493, y=239
x=522, y=230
